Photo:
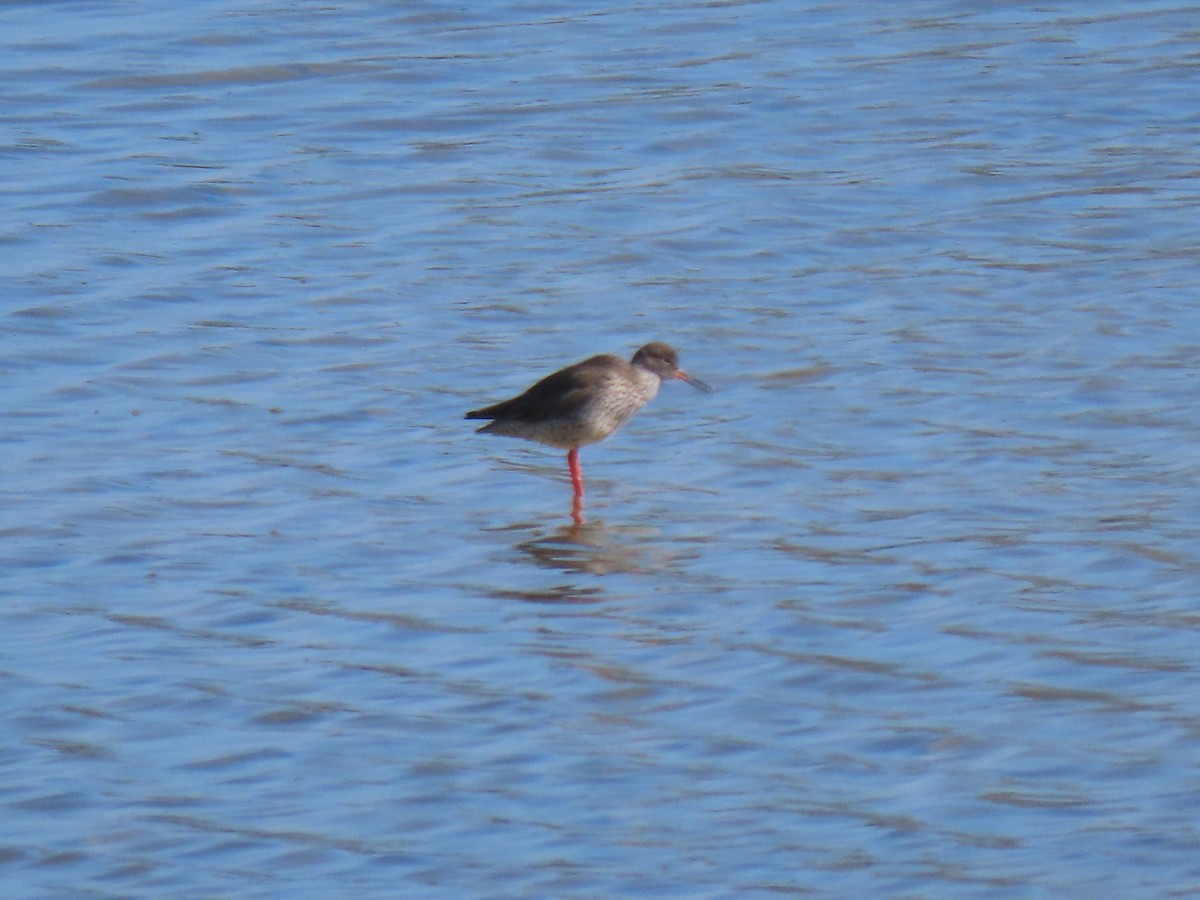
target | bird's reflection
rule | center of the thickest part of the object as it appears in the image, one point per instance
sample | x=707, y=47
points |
x=592, y=547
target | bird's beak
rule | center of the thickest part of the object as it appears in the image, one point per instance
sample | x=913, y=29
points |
x=694, y=382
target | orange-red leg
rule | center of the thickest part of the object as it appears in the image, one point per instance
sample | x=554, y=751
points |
x=577, y=483
x=576, y=472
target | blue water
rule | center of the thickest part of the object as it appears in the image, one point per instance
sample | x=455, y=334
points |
x=908, y=607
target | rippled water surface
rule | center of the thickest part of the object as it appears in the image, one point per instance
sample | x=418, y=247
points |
x=908, y=607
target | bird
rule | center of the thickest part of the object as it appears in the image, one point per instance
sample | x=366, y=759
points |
x=585, y=403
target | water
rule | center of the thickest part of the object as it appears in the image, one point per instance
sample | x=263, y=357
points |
x=906, y=608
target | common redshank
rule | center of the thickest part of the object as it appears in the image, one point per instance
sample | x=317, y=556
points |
x=585, y=403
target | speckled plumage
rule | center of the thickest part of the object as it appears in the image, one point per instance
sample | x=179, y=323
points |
x=576, y=406
x=584, y=403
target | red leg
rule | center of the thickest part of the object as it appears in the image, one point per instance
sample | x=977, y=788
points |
x=576, y=472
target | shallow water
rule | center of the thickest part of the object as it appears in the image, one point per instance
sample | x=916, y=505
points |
x=907, y=608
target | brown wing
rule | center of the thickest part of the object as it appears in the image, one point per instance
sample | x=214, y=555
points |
x=556, y=396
